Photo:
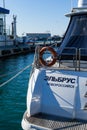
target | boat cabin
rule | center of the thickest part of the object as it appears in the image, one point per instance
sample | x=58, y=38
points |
x=3, y=12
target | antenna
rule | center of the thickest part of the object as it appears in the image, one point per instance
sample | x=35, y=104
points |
x=71, y=4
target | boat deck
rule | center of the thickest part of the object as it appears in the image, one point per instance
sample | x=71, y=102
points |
x=65, y=61
x=55, y=123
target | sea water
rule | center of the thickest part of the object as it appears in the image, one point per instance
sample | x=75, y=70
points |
x=13, y=94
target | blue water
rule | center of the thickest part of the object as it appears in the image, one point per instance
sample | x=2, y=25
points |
x=13, y=94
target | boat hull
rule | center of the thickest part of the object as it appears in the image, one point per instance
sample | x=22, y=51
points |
x=59, y=93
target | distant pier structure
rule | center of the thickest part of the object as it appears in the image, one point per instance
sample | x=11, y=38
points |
x=38, y=35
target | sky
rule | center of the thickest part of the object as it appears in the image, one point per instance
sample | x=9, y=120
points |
x=39, y=16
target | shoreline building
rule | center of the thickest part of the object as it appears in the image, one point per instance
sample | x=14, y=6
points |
x=38, y=35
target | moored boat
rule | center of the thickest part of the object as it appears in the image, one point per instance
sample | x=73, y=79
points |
x=10, y=42
x=57, y=92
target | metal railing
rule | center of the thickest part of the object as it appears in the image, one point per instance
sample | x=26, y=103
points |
x=70, y=59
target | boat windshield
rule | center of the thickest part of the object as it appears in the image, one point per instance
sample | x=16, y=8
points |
x=76, y=35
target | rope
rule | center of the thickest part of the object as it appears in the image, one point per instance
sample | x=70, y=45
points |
x=3, y=75
x=15, y=76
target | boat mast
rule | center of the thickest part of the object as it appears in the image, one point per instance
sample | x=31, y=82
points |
x=71, y=4
x=14, y=29
x=4, y=22
x=4, y=3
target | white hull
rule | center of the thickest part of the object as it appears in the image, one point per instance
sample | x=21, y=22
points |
x=59, y=93
x=65, y=97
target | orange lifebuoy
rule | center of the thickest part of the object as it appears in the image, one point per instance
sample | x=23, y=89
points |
x=54, y=56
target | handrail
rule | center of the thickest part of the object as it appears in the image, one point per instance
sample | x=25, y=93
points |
x=71, y=57
x=82, y=56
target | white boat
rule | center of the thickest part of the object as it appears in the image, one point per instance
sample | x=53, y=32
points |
x=57, y=92
x=10, y=43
